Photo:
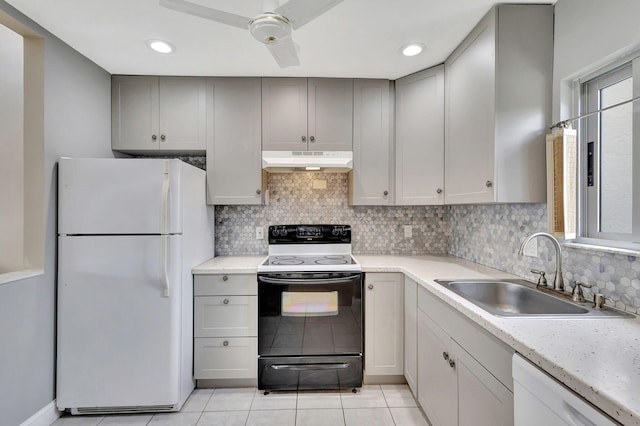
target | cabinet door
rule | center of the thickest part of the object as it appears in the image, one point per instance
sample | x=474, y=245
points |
x=182, y=113
x=284, y=114
x=330, y=114
x=134, y=113
x=234, y=172
x=411, y=333
x=470, y=106
x=437, y=381
x=224, y=316
x=420, y=138
x=372, y=148
x=383, y=334
x=482, y=399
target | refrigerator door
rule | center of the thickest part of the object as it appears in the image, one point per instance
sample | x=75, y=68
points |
x=118, y=196
x=119, y=341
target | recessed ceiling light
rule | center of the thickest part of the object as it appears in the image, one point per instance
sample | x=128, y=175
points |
x=161, y=46
x=412, y=49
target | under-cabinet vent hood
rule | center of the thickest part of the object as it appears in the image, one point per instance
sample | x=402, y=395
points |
x=300, y=161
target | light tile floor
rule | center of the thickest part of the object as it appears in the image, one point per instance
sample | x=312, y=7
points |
x=373, y=405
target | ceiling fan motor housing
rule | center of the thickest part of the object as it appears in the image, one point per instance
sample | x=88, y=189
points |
x=269, y=28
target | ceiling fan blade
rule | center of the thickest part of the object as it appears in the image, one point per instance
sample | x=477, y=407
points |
x=284, y=52
x=299, y=12
x=206, y=13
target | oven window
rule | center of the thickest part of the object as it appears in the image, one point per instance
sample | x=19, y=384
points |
x=309, y=304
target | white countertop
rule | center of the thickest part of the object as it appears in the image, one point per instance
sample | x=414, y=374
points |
x=599, y=358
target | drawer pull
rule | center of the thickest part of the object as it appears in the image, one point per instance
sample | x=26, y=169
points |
x=225, y=343
x=452, y=363
x=225, y=301
x=225, y=278
x=445, y=355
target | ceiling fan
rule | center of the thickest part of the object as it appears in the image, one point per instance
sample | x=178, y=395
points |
x=272, y=27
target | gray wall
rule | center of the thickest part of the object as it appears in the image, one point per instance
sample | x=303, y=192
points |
x=77, y=123
x=587, y=35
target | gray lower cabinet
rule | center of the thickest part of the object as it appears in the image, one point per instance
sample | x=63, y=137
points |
x=225, y=326
x=411, y=334
x=383, y=324
x=464, y=374
x=234, y=170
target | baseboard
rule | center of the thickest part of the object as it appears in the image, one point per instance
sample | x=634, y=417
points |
x=226, y=383
x=384, y=379
x=44, y=417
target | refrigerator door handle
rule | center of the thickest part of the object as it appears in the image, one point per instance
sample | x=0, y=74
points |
x=164, y=213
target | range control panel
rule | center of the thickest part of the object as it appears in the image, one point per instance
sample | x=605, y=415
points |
x=309, y=234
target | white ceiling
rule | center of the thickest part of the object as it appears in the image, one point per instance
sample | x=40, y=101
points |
x=357, y=38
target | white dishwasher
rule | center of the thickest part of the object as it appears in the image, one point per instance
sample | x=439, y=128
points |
x=538, y=399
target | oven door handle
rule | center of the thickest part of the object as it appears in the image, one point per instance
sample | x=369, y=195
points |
x=315, y=366
x=287, y=281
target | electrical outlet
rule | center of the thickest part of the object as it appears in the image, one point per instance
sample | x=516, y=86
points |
x=259, y=233
x=531, y=249
x=408, y=231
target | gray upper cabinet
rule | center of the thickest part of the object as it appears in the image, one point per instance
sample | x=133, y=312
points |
x=498, y=106
x=371, y=178
x=234, y=174
x=420, y=138
x=158, y=114
x=302, y=114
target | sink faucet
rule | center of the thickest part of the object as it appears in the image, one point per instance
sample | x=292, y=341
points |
x=558, y=282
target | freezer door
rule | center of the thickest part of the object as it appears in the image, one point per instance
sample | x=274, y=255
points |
x=98, y=196
x=118, y=335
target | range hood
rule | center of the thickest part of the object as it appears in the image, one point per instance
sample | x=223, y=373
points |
x=300, y=161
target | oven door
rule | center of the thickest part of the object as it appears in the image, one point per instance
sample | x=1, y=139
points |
x=316, y=313
x=309, y=331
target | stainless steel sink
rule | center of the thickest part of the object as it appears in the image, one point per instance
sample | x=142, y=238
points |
x=520, y=298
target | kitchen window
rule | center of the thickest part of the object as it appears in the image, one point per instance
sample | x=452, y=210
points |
x=610, y=147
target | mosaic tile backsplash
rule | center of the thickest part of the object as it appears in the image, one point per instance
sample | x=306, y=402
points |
x=487, y=234
x=292, y=200
x=492, y=234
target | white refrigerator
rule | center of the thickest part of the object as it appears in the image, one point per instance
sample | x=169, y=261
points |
x=129, y=232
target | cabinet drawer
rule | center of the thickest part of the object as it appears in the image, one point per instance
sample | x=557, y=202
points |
x=232, y=358
x=225, y=284
x=225, y=316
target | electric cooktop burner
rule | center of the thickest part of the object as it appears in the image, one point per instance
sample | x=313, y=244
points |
x=309, y=248
x=310, y=260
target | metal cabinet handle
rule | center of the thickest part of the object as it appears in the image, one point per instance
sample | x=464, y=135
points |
x=489, y=184
x=225, y=343
x=304, y=138
x=370, y=286
x=312, y=138
x=163, y=137
x=154, y=137
x=445, y=355
x=225, y=278
x=439, y=190
x=258, y=191
x=452, y=363
x=385, y=193
x=225, y=301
